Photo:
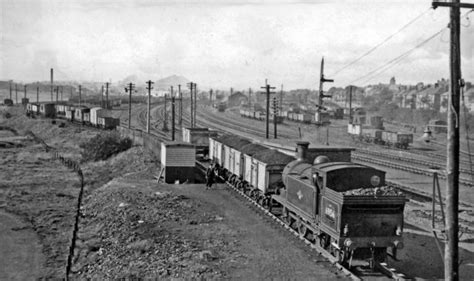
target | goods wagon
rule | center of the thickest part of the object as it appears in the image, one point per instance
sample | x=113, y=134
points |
x=81, y=115
x=253, y=167
x=199, y=137
x=399, y=140
x=48, y=110
x=70, y=114
x=438, y=126
x=8, y=102
x=374, y=133
x=32, y=109
x=108, y=123
x=95, y=113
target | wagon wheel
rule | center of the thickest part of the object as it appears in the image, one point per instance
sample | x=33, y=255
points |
x=323, y=241
x=302, y=229
x=244, y=187
x=266, y=202
x=232, y=179
x=286, y=217
x=269, y=204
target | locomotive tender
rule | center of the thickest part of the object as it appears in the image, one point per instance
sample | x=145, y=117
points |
x=343, y=207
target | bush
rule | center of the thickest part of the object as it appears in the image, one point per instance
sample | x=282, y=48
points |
x=103, y=146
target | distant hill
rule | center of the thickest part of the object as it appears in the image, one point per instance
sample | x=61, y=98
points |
x=173, y=80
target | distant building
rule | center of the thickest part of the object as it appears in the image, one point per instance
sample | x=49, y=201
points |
x=237, y=99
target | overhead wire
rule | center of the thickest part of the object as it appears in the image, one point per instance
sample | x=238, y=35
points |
x=394, y=61
x=399, y=58
x=381, y=43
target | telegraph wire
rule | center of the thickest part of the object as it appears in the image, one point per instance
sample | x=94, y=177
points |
x=398, y=59
x=394, y=61
x=381, y=43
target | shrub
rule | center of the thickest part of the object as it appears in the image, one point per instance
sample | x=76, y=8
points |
x=103, y=146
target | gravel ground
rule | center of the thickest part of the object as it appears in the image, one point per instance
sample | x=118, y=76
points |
x=130, y=226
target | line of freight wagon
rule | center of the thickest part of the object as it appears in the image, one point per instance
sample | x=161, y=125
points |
x=95, y=116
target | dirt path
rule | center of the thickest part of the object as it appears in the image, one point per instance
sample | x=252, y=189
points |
x=20, y=251
x=265, y=251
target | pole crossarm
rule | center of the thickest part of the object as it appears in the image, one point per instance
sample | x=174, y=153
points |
x=437, y=4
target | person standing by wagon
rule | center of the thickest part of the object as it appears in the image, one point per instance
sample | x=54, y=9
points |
x=210, y=176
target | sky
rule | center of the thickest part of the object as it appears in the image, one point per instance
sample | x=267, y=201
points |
x=229, y=43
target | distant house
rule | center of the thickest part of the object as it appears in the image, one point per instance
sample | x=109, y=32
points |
x=237, y=99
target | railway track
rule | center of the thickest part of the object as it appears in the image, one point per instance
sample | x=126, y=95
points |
x=388, y=161
x=233, y=126
x=384, y=272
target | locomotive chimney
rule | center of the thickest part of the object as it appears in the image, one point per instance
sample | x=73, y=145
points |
x=301, y=150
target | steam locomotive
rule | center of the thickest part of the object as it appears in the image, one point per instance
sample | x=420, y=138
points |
x=343, y=207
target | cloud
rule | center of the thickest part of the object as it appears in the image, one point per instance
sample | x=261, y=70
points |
x=221, y=43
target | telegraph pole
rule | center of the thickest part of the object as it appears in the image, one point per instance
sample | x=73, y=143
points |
x=107, y=95
x=350, y=104
x=52, y=85
x=180, y=106
x=129, y=90
x=281, y=98
x=250, y=102
x=149, y=88
x=173, y=103
x=57, y=93
x=172, y=114
x=80, y=91
x=451, y=259
x=268, y=93
x=195, y=105
x=210, y=97
x=275, y=113
x=165, y=121
x=37, y=94
x=24, y=87
x=16, y=93
x=11, y=90
x=321, y=92
x=191, y=85
x=102, y=96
